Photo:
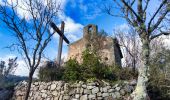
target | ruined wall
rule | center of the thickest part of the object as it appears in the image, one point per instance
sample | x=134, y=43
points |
x=75, y=50
x=59, y=90
x=106, y=47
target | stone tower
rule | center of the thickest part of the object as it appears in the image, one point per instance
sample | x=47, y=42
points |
x=107, y=47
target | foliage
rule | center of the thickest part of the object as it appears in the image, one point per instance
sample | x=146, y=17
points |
x=6, y=70
x=159, y=80
x=50, y=72
x=125, y=73
x=72, y=71
x=91, y=68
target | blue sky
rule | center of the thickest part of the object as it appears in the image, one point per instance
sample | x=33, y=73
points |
x=76, y=14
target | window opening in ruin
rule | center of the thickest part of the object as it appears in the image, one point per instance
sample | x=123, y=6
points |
x=90, y=32
x=106, y=58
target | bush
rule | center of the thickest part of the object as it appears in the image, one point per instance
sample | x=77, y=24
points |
x=72, y=71
x=158, y=87
x=91, y=68
x=159, y=80
x=50, y=72
x=125, y=73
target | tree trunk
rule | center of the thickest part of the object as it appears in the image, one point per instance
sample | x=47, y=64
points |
x=29, y=85
x=140, y=92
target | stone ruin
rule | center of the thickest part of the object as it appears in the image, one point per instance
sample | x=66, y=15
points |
x=107, y=47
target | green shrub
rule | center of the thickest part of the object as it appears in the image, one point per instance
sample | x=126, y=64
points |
x=127, y=74
x=158, y=86
x=159, y=80
x=91, y=68
x=72, y=71
x=50, y=72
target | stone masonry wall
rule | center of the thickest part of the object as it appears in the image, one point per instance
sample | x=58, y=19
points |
x=59, y=90
x=107, y=47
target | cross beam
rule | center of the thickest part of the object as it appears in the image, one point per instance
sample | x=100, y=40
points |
x=62, y=37
x=60, y=32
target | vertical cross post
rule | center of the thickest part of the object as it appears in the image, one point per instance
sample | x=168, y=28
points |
x=60, y=44
x=62, y=37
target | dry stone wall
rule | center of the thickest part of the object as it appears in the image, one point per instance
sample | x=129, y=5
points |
x=59, y=90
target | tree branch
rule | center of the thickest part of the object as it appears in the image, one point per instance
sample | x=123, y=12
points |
x=130, y=8
x=162, y=33
x=154, y=15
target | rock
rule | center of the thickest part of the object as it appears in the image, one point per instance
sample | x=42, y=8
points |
x=60, y=83
x=58, y=88
x=84, y=86
x=108, y=87
x=99, y=94
x=78, y=90
x=53, y=87
x=110, y=90
x=41, y=87
x=77, y=96
x=66, y=97
x=83, y=97
x=78, y=85
x=90, y=87
x=18, y=93
x=133, y=82
x=81, y=90
x=66, y=87
x=81, y=82
x=113, y=95
x=87, y=91
x=55, y=98
x=92, y=96
x=105, y=94
x=44, y=95
x=62, y=92
x=54, y=93
x=122, y=92
x=43, y=91
x=117, y=88
x=73, y=91
x=128, y=88
x=99, y=98
x=101, y=89
x=105, y=89
x=108, y=98
x=95, y=90
x=117, y=94
x=61, y=97
x=48, y=98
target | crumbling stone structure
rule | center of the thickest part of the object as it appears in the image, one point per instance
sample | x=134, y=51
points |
x=59, y=90
x=107, y=47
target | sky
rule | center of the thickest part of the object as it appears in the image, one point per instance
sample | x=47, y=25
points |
x=76, y=14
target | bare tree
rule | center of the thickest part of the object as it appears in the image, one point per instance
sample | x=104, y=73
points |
x=147, y=30
x=32, y=32
x=131, y=47
x=7, y=70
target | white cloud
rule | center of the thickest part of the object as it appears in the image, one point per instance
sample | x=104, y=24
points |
x=123, y=27
x=21, y=69
x=73, y=30
x=22, y=8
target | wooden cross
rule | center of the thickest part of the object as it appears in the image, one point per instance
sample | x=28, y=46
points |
x=62, y=37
